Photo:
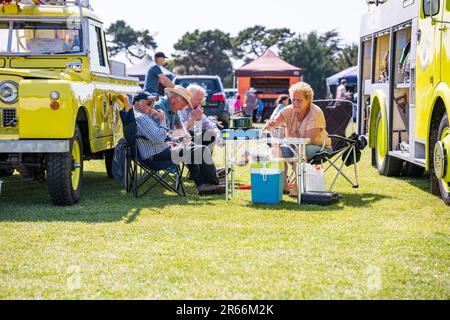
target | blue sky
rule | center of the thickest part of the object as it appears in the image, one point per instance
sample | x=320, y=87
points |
x=168, y=20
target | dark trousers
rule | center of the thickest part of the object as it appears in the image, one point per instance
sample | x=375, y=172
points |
x=201, y=173
x=207, y=140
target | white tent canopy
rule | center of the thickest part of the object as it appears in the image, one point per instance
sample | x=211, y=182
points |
x=350, y=74
x=141, y=68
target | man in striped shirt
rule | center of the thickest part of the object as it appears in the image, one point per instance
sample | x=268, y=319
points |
x=158, y=150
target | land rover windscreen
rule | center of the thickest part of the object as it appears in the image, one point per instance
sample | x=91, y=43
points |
x=40, y=37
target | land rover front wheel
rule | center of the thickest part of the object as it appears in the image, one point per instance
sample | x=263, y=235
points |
x=441, y=158
x=65, y=173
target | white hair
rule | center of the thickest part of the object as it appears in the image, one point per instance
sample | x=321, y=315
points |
x=195, y=89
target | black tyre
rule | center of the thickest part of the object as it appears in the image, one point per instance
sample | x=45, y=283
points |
x=387, y=166
x=109, y=156
x=6, y=173
x=412, y=170
x=444, y=187
x=65, y=173
x=374, y=158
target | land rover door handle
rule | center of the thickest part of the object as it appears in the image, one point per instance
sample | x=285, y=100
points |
x=419, y=35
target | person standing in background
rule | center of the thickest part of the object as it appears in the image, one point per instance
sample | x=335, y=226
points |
x=251, y=103
x=155, y=76
x=259, y=112
x=341, y=92
x=282, y=102
x=237, y=103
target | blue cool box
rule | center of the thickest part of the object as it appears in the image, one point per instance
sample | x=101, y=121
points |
x=267, y=182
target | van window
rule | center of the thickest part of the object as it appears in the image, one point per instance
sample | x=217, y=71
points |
x=210, y=85
x=96, y=46
x=431, y=7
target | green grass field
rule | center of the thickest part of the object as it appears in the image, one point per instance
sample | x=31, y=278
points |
x=387, y=240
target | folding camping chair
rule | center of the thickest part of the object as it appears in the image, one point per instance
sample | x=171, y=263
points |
x=346, y=151
x=137, y=173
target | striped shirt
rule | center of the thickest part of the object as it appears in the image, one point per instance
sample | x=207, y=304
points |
x=155, y=132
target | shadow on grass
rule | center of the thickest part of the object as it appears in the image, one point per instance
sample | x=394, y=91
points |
x=356, y=200
x=103, y=201
x=422, y=183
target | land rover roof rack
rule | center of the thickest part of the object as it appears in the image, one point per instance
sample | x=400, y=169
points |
x=78, y=3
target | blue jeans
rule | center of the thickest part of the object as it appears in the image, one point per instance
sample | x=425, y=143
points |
x=311, y=151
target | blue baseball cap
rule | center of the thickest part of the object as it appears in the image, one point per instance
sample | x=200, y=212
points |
x=145, y=95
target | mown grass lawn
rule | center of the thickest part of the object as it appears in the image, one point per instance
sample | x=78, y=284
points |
x=388, y=240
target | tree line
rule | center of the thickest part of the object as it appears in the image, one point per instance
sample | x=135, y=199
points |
x=213, y=51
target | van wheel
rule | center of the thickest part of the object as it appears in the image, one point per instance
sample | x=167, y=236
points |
x=412, y=170
x=387, y=166
x=6, y=173
x=444, y=186
x=65, y=173
x=109, y=156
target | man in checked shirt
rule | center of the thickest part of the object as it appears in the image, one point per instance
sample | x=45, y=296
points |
x=160, y=149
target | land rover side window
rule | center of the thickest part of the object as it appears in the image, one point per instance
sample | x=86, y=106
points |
x=431, y=7
x=39, y=38
x=4, y=35
x=96, y=46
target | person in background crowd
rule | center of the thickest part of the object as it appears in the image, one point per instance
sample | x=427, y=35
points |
x=259, y=112
x=158, y=150
x=155, y=76
x=251, y=103
x=341, y=92
x=237, y=103
x=282, y=102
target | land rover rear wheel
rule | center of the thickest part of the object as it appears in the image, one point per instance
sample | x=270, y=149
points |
x=387, y=166
x=441, y=165
x=65, y=173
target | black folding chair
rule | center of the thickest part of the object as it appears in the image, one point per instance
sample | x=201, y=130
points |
x=346, y=151
x=137, y=173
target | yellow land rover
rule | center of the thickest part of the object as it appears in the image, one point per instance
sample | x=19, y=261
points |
x=59, y=94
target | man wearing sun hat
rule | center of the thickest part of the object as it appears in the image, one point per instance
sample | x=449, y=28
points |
x=176, y=99
x=158, y=125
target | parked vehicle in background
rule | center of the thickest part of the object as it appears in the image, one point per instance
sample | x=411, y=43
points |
x=60, y=95
x=404, y=89
x=215, y=105
x=230, y=96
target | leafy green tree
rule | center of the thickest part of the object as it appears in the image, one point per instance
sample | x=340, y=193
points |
x=124, y=39
x=317, y=55
x=348, y=56
x=204, y=52
x=254, y=41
